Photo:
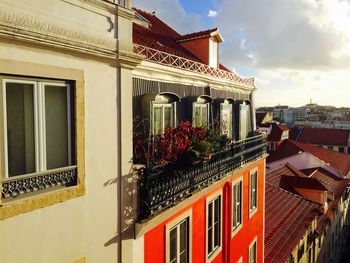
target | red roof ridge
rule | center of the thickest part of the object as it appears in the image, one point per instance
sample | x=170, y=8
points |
x=290, y=193
x=199, y=34
x=295, y=170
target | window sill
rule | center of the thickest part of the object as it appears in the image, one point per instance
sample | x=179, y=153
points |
x=252, y=212
x=214, y=254
x=236, y=229
x=26, y=202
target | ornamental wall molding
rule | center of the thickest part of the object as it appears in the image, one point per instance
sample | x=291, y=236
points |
x=30, y=28
x=153, y=71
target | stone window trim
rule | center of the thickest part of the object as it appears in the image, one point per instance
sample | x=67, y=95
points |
x=210, y=199
x=254, y=209
x=187, y=215
x=41, y=199
x=236, y=229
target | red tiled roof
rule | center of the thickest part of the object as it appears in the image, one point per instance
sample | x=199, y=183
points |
x=276, y=132
x=330, y=181
x=200, y=34
x=303, y=182
x=286, y=215
x=339, y=161
x=321, y=136
x=160, y=36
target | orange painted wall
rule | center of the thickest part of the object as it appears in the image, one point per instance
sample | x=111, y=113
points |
x=232, y=248
x=199, y=47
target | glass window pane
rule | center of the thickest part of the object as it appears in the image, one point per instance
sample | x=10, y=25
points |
x=56, y=126
x=210, y=240
x=183, y=241
x=226, y=119
x=167, y=117
x=210, y=214
x=20, y=128
x=173, y=242
x=197, y=115
x=157, y=120
x=204, y=115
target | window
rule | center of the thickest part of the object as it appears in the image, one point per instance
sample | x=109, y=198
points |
x=179, y=236
x=237, y=205
x=226, y=119
x=178, y=239
x=163, y=111
x=38, y=127
x=213, y=225
x=252, y=252
x=200, y=114
x=244, y=120
x=253, y=191
x=162, y=117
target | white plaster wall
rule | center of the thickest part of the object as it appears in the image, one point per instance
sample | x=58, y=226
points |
x=82, y=226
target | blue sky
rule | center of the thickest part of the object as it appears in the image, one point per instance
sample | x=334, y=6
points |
x=297, y=50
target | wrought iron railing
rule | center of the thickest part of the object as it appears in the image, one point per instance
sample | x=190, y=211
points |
x=166, y=188
x=20, y=185
x=167, y=59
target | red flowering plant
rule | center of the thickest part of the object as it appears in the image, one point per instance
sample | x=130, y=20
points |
x=169, y=147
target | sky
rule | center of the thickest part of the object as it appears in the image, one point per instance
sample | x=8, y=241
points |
x=296, y=50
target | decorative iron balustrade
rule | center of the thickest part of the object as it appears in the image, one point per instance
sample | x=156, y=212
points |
x=168, y=187
x=167, y=59
x=20, y=185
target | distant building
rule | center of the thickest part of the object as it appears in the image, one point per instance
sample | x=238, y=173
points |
x=290, y=219
x=332, y=139
x=319, y=221
x=276, y=134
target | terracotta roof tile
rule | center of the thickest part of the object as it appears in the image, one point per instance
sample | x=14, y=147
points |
x=338, y=161
x=286, y=215
x=321, y=136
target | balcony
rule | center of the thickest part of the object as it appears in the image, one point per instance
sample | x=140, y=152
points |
x=166, y=188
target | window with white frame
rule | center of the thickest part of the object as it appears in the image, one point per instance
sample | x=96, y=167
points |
x=179, y=242
x=201, y=114
x=236, y=205
x=163, y=116
x=38, y=125
x=213, y=225
x=226, y=119
x=253, y=190
x=253, y=252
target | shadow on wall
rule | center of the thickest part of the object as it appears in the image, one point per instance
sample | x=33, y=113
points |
x=130, y=203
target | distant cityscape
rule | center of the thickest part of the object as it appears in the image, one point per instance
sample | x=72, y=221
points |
x=310, y=115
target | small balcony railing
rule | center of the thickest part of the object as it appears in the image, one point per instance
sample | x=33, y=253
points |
x=168, y=187
x=17, y=186
x=174, y=61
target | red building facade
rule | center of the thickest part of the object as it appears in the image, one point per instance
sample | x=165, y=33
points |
x=213, y=210
x=235, y=241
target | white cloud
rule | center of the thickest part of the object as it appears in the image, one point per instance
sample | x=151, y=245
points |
x=212, y=13
x=296, y=49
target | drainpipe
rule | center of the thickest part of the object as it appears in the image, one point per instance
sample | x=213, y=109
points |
x=119, y=163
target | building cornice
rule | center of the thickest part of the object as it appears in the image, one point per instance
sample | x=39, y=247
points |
x=15, y=25
x=153, y=71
